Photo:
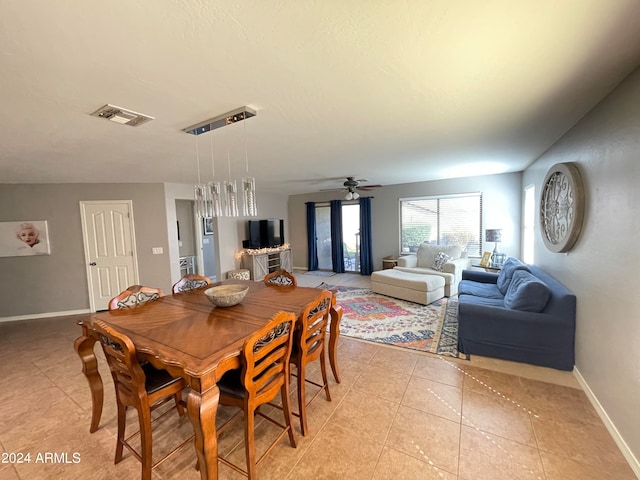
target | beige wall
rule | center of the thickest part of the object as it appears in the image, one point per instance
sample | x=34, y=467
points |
x=604, y=266
x=58, y=282
x=501, y=209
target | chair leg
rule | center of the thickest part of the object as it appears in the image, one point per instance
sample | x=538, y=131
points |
x=122, y=419
x=302, y=399
x=323, y=369
x=250, y=444
x=286, y=410
x=178, y=398
x=144, y=418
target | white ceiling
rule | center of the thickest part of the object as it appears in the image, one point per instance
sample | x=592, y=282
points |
x=394, y=91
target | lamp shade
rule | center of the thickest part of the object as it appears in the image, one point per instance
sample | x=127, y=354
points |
x=493, y=235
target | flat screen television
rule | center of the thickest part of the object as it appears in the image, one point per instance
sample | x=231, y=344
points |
x=266, y=233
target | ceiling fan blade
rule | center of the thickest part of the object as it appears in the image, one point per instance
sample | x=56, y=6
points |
x=332, y=189
x=368, y=187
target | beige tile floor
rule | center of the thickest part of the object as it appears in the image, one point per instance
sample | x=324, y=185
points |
x=397, y=414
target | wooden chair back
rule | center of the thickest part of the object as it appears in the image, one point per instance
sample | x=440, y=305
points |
x=190, y=282
x=280, y=278
x=309, y=346
x=266, y=359
x=140, y=386
x=313, y=327
x=133, y=296
x=264, y=374
x=128, y=376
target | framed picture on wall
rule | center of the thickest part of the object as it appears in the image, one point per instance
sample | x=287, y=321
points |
x=28, y=237
x=207, y=225
x=486, y=259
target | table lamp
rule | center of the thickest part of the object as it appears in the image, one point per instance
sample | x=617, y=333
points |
x=494, y=235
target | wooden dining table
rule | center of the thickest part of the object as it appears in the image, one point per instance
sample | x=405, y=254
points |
x=186, y=335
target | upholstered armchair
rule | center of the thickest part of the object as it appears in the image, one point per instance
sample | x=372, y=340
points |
x=447, y=261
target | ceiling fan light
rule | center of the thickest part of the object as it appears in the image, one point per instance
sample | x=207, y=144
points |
x=355, y=195
x=349, y=195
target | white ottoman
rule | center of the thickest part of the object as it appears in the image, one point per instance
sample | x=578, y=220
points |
x=414, y=287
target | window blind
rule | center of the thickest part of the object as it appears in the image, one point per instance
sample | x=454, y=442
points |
x=445, y=220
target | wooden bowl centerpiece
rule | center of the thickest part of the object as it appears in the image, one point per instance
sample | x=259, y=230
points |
x=226, y=295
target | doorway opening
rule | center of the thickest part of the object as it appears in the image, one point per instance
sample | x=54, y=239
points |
x=196, y=244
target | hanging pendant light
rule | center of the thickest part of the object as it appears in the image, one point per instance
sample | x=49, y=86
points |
x=249, y=206
x=201, y=194
x=231, y=193
x=215, y=193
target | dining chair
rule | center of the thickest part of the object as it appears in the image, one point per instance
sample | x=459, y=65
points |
x=280, y=278
x=133, y=296
x=190, y=282
x=264, y=374
x=140, y=386
x=308, y=346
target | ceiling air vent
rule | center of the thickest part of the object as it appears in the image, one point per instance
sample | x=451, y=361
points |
x=121, y=115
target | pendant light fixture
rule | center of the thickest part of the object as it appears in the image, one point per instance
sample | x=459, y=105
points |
x=215, y=193
x=231, y=193
x=249, y=207
x=200, y=190
x=212, y=198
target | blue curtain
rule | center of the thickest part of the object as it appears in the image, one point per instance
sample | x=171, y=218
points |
x=312, y=247
x=337, y=256
x=366, y=252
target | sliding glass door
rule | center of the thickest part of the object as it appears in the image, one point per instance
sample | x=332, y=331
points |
x=323, y=237
x=351, y=237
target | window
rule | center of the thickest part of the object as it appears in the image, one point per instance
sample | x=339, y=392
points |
x=446, y=220
x=529, y=215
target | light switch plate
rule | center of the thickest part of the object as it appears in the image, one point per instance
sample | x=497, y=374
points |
x=157, y=250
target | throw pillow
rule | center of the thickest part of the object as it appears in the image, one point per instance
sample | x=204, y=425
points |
x=526, y=292
x=504, y=277
x=440, y=260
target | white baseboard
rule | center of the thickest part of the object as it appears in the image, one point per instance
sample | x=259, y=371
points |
x=43, y=315
x=622, y=445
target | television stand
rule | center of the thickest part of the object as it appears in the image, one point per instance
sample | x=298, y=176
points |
x=264, y=261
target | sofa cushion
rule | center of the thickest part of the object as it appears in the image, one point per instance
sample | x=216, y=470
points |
x=511, y=265
x=427, y=253
x=479, y=290
x=440, y=260
x=526, y=292
x=470, y=302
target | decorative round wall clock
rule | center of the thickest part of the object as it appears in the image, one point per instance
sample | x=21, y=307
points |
x=561, y=207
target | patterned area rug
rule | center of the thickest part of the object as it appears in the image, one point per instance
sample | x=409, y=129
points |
x=377, y=318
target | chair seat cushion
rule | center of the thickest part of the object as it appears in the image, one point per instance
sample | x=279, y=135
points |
x=231, y=384
x=157, y=379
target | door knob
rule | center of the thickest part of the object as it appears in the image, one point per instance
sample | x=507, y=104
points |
x=93, y=264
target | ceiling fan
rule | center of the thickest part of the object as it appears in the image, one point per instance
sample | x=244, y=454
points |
x=351, y=185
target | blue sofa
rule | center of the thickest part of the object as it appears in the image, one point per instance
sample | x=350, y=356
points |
x=520, y=314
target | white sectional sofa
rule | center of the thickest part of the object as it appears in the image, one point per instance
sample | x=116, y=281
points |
x=423, y=262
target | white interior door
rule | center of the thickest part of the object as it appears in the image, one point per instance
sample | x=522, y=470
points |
x=109, y=245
